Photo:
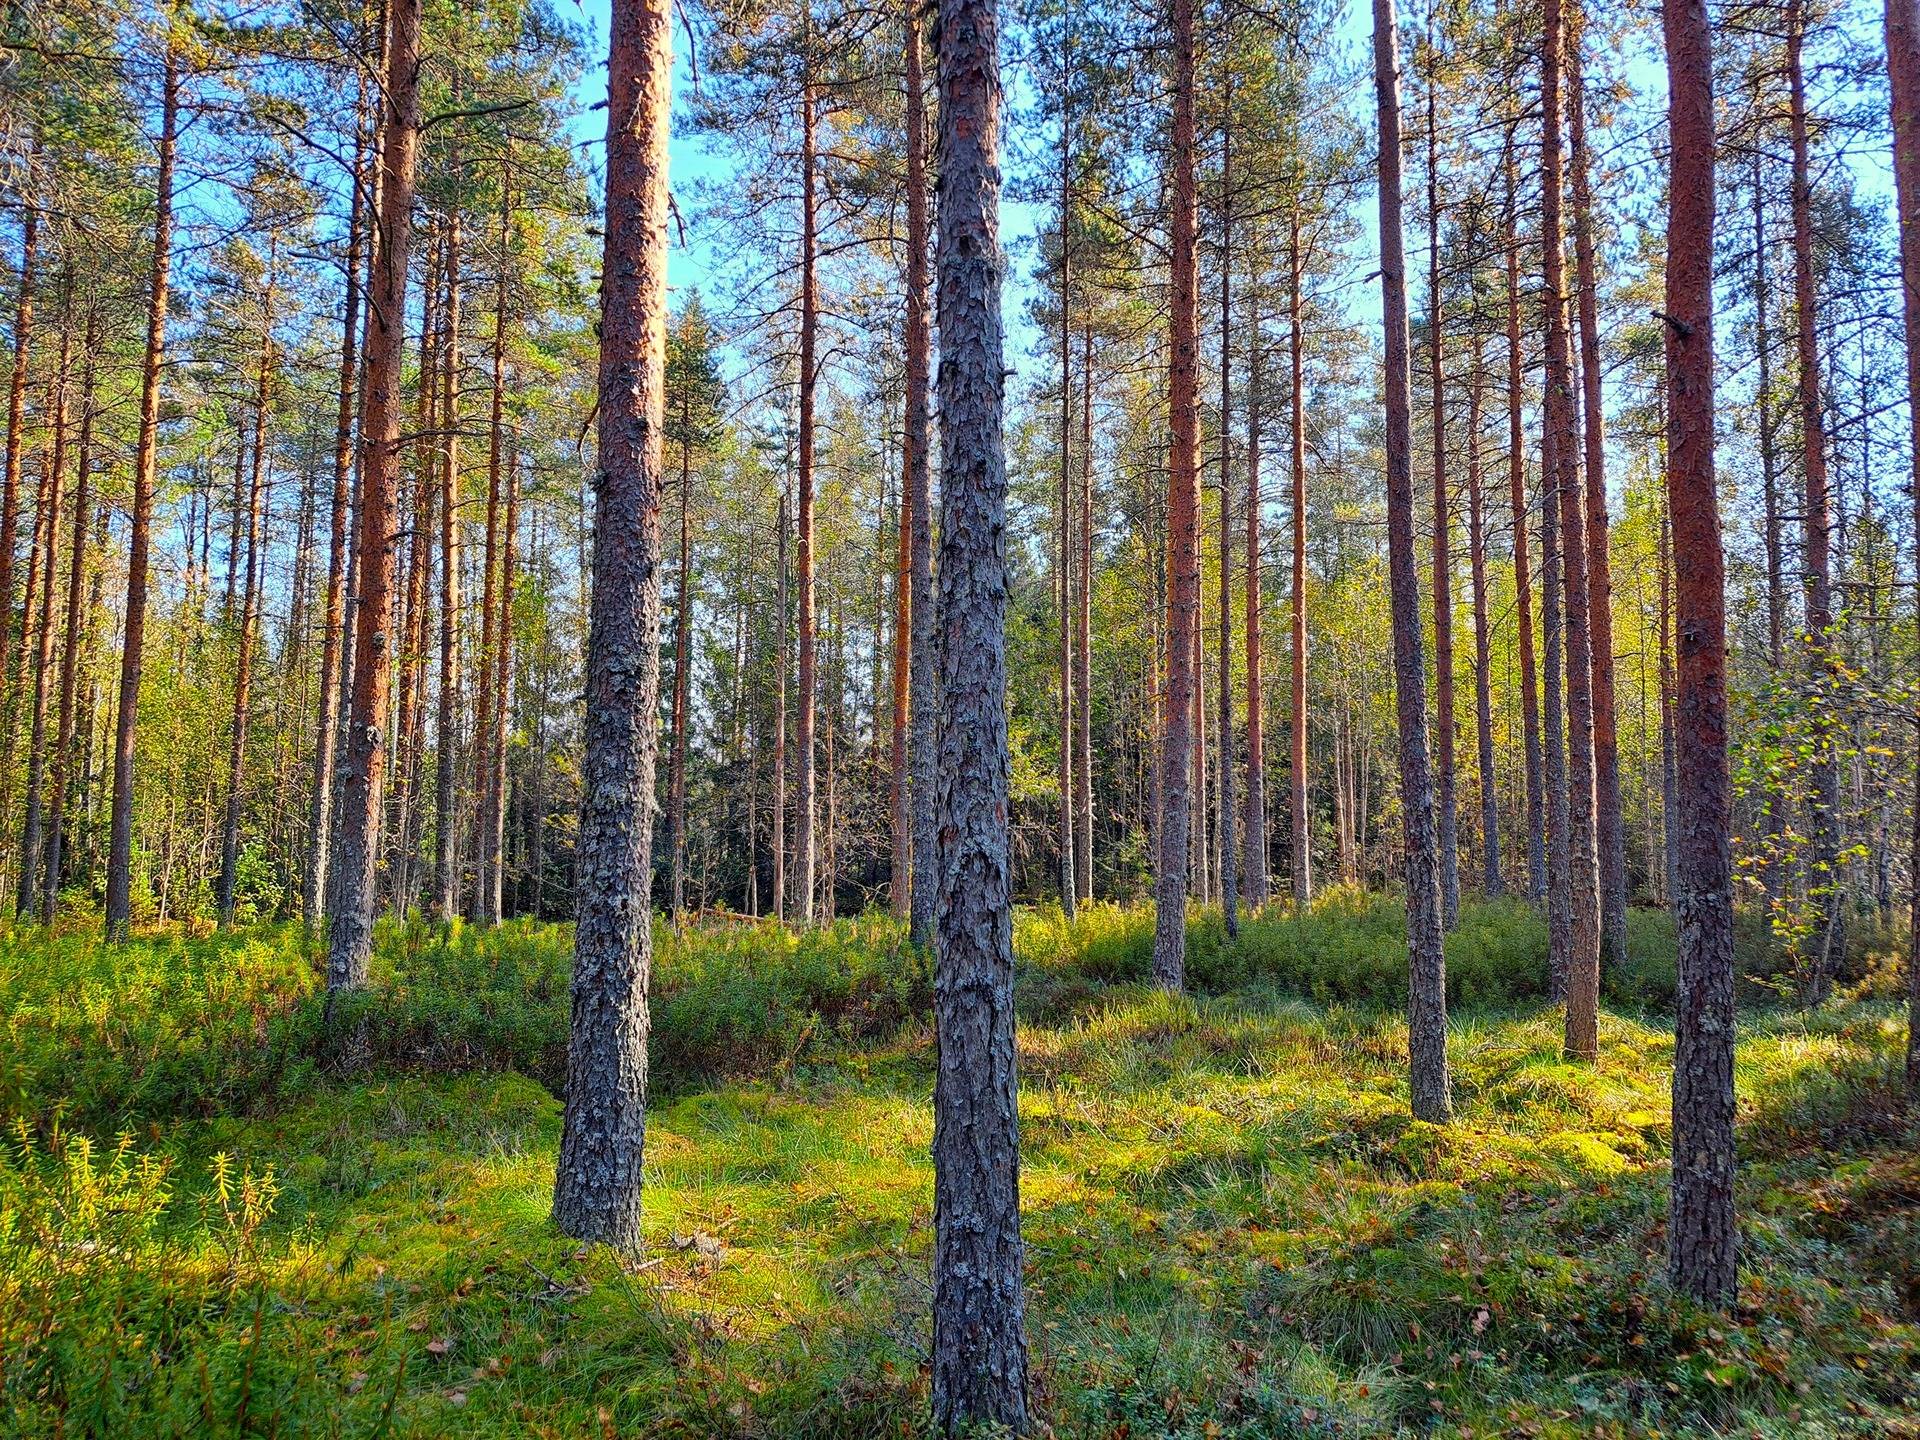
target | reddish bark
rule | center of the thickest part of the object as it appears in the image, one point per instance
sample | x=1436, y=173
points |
x=16, y=432
x=1522, y=563
x=1701, y=1234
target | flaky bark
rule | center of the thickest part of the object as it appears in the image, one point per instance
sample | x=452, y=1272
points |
x=1903, y=76
x=1701, y=1235
x=596, y=1193
x=979, y=1308
x=1427, y=964
x=1178, y=732
x=1582, y=973
x=924, y=702
x=363, y=771
x=119, y=914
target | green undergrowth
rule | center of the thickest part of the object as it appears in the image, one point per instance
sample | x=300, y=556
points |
x=1233, y=1227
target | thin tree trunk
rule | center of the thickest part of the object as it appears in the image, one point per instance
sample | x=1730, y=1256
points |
x=495, y=606
x=1609, y=828
x=1302, y=853
x=1824, y=882
x=1669, y=778
x=1228, y=851
x=76, y=627
x=119, y=916
x=1083, y=637
x=1701, y=1235
x=1583, y=968
x=320, y=817
x=596, y=1193
x=446, y=902
x=1522, y=565
x=682, y=649
x=803, y=838
x=1427, y=977
x=1490, y=880
x=502, y=704
x=47, y=542
x=780, y=731
x=1254, y=825
x=924, y=702
x=16, y=434
x=1446, y=802
x=979, y=1310
x=249, y=615
x=1903, y=76
x=363, y=771
x=1553, y=724
x=1063, y=547
x=1773, y=878
x=1178, y=731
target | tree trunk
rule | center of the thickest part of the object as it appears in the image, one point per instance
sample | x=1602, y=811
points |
x=1583, y=968
x=1083, y=640
x=494, y=851
x=1178, y=731
x=1609, y=828
x=1302, y=853
x=682, y=649
x=1553, y=723
x=1903, y=76
x=1253, y=838
x=1427, y=976
x=1669, y=775
x=923, y=704
x=76, y=626
x=16, y=435
x=1824, y=894
x=47, y=542
x=979, y=1309
x=1447, y=805
x=1701, y=1235
x=119, y=915
x=1229, y=851
x=803, y=838
x=363, y=771
x=1063, y=547
x=1490, y=881
x=1522, y=568
x=446, y=900
x=320, y=816
x=780, y=729
x=1773, y=878
x=495, y=617
x=249, y=615
x=596, y=1194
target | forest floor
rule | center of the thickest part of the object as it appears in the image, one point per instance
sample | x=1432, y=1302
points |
x=1232, y=1226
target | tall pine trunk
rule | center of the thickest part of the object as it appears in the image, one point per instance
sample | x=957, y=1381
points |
x=804, y=805
x=1301, y=860
x=446, y=903
x=495, y=605
x=596, y=1194
x=979, y=1311
x=1063, y=546
x=1178, y=730
x=924, y=701
x=1490, y=879
x=1446, y=801
x=682, y=649
x=1825, y=901
x=363, y=770
x=1083, y=633
x=1701, y=1235
x=47, y=543
x=1229, y=851
x=1582, y=973
x=1903, y=75
x=1536, y=798
x=1610, y=836
x=119, y=914
x=10, y=494
x=1427, y=973
x=1254, y=823
x=64, y=749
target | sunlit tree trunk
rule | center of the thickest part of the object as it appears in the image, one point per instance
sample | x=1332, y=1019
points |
x=10, y=494
x=1490, y=879
x=1536, y=801
x=1447, y=809
x=1701, y=1236
x=1063, y=546
x=1229, y=851
x=64, y=749
x=1583, y=959
x=1183, y=533
x=495, y=604
x=1824, y=898
x=596, y=1194
x=1254, y=824
x=363, y=772
x=803, y=837
x=1302, y=853
x=682, y=649
x=1427, y=977
x=47, y=545
x=924, y=700
x=446, y=901
x=119, y=910
x=781, y=663
x=1903, y=76
x=1609, y=829
x=1083, y=641
x=979, y=1358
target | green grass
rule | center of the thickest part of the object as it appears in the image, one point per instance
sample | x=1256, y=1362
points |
x=1233, y=1227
